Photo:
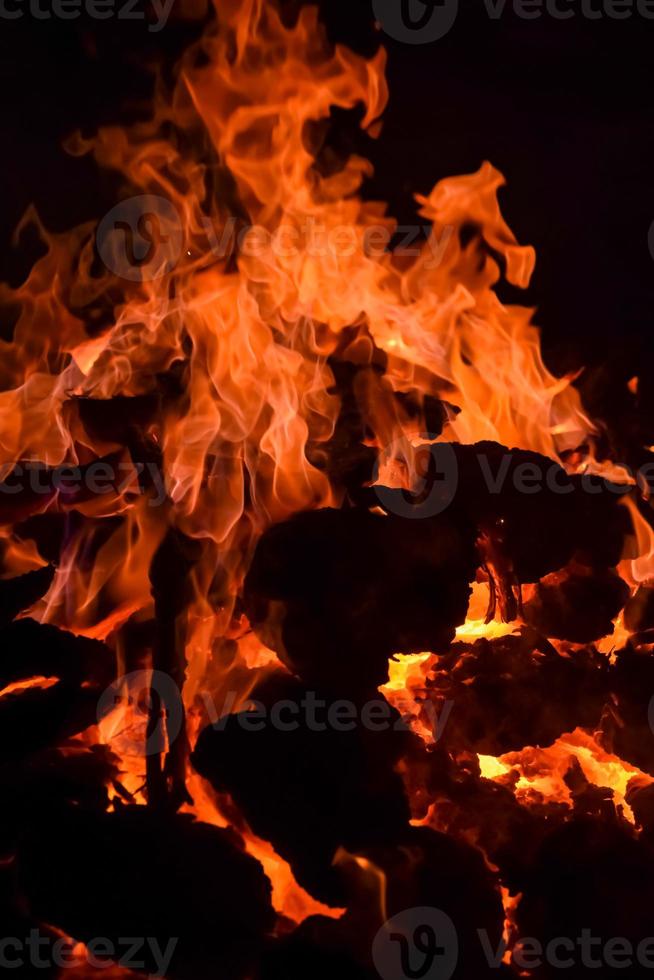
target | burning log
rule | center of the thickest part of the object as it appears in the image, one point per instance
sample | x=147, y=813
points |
x=336, y=593
x=188, y=886
x=308, y=785
x=319, y=948
x=23, y=591
x=628, y=728
x=172, y=591
x=40, y=717
x=424, y=868
x=457, y=801
x=577, y=604
x=32, y=649
x=117, y=419
x=47, y=781
x=419, y=873
x=594, y=879
x=541, y=515
x=50, y=681
x=529, y=516
x=514, y=691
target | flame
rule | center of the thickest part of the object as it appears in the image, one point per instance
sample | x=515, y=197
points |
x=406, y=685
x=510, y=932
x=639, y=568
x=475, y=625
x=288, y=897
x=233, y=333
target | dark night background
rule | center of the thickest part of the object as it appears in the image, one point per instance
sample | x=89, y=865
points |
x=562, y=108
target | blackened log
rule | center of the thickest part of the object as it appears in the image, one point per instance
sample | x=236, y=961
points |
x=485, y=811
x=319, y=948
x=40, y=717
x=346, y=460
x=139, y=872
x=172, y=591
x=116, y=419
x=577, y=604
x=32, y=649
x=306, y=785
x=21, y=592
x=336, y=593
x=513, y=691
x=596, y=878
x=628, y=728
x=425, y=868
x=49, y=780
x=529, y=516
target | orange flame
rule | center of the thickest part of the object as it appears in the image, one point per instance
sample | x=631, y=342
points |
x=243, y=332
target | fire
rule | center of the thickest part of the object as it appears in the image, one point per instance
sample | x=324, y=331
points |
x=639, y=567
x=475, y=625
x=288, y=896
x=541, y=771
x=233, y=346
x=40, y=683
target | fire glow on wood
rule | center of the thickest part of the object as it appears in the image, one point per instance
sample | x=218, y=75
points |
x=332, y=478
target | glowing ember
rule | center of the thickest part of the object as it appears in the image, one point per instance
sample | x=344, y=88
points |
x=40, y=683
x=475, y=625
x=540, y=771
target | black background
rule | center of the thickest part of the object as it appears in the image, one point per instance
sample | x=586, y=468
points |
x=563, y=108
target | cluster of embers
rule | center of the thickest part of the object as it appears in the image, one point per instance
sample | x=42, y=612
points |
x=337, y=593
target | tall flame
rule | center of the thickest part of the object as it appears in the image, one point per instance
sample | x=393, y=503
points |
x=267, y=269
